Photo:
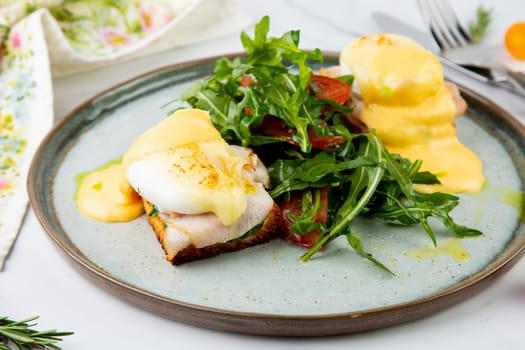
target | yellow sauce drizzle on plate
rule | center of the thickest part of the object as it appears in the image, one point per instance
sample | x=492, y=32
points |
x=450, y=247
x=101, y=194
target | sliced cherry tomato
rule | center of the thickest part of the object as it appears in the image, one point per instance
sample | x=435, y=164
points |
x=324, y=141
x=294, y=206
x=246, y=80
x=276, y=127
x=307, y=240
x=330, y=88
x=273, y=126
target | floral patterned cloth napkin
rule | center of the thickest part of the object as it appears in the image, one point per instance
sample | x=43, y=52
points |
x=41, y=39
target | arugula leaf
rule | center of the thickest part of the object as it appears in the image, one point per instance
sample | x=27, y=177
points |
x=321, y=170
x=306, y=223
x=364, y=181
x=357, y=245
x=277, y=91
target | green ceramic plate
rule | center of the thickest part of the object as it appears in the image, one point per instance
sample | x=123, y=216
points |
x=266, y=289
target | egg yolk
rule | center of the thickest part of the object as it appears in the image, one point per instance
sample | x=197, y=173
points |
x=410, y=108
x=515, y=40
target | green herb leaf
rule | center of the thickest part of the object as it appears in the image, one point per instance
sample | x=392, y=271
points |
x=357, y=245
x=154, y=212
x=364, y=181
x=277, y=91
x=24, y=337
x=321, y=170
x=306, y=223
x=478, y=27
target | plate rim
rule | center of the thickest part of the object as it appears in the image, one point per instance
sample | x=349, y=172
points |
x=262, y=323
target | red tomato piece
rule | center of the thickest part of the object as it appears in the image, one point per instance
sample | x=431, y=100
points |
x=330, y=88
x=246, y=80
x=324, y=141
x=273, y=126
x=276, y=127
x=294, y=206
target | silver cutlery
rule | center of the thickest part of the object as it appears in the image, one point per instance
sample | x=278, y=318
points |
x=455, y=43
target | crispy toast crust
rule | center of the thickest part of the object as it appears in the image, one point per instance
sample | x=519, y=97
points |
x=270, y=229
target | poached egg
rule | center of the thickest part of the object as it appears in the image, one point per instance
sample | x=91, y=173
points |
x=183, y=167
x=412, y=111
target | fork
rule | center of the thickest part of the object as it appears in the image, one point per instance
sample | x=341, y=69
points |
x=456, y=44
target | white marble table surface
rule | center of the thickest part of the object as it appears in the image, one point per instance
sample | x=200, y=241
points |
x=37, y=279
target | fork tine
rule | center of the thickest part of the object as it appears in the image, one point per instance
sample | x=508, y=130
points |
x=455, y=27
x=443, y=23
x=428, y=12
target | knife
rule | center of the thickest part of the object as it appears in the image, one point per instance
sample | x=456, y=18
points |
x=482, y=74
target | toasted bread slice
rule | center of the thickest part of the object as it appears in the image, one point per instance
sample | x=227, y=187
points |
x=270, y=229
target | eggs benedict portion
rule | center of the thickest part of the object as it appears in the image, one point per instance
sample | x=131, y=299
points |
x=199, y=193
x=412, y=109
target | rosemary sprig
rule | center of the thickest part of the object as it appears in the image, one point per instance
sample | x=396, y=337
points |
x=22, y=336
x=478, y=27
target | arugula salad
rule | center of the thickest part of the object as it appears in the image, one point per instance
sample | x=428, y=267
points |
x=326, y=169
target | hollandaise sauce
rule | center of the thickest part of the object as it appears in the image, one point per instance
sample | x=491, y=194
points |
x=103, y=194
x=411, y=109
